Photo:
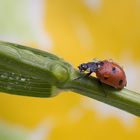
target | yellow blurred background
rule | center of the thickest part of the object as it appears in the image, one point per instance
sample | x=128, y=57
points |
x=78, y=31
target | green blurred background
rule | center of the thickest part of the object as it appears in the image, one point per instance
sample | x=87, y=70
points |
x=78, y=31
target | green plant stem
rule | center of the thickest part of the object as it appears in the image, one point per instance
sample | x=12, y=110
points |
x=31, y=72
x=123, y=99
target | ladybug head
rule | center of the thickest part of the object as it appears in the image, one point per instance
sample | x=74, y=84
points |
x=98, y=63
x=83, y=67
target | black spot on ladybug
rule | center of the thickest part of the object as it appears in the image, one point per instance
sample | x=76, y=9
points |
x=105, y=78
x=120, y=82
x=113, y=69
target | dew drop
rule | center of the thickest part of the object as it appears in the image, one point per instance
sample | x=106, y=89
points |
x=17, y=78
x=23, y=79
x=4, y=76
x=11, y=78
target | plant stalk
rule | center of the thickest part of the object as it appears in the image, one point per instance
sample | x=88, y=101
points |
x=30, y=72
x=124, y=99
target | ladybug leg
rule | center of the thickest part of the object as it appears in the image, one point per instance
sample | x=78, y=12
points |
x=78, y=78
x=86, y=75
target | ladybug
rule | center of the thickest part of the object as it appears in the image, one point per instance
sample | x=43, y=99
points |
x=107, y=72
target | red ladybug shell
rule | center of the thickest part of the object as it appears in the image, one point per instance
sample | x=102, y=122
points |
x=112, y=74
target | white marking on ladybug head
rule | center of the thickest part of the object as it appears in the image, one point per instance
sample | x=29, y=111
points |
x=99, y=66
